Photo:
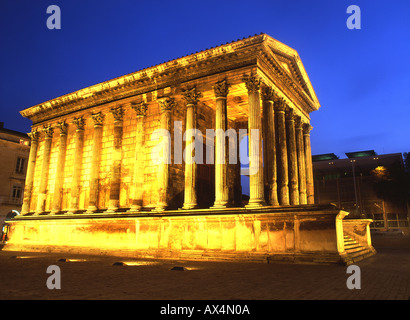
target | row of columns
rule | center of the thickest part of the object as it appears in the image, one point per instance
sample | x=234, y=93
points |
x=286, y=177
x=288, y=171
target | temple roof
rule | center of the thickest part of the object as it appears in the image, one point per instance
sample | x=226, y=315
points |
x=277, y=59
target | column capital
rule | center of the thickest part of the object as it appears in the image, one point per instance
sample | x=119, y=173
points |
x=290, y=114
x=48, y=131
x=252, y=82
x=34, y=135
x=98, y=119
x=298, y=122
x=79, y=123
x=280, y=104
x=167, y=104
x=307, y=128
x=268, y=94
x=192, y=96
x=140, y=109
x=118, y=113
x=63, y=126
x=221, y=89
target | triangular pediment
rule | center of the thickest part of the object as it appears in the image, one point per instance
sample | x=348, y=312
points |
x=289, y=62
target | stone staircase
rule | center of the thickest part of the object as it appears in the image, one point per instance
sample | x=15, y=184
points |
x=355, y=251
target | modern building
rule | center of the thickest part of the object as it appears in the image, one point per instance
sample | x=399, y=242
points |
x=353, y=184
x=147, y=164
x=14, y=153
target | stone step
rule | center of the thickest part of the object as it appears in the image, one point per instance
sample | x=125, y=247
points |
x=355, y=251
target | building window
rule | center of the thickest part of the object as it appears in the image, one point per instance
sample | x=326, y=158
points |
x=24, y=142
x=16, y=194
x=20, y=165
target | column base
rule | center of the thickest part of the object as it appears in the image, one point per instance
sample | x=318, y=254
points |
x=220, y=205
x=40, y=213
x=54, y=212
x=189, y=206
x=134, y=209
x=111, y=210
x=160, y=207
x=256, y=203
x=91, y=209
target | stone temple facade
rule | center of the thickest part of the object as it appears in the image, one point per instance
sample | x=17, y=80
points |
x=92, y=149
x=125, y=155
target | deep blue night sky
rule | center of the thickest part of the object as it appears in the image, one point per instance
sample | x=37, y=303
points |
x=361, y=77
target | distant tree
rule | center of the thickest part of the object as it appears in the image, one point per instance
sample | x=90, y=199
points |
x=393, y=183
x=406, y=158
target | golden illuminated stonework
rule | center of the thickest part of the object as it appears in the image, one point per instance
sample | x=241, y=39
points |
x=148, y=164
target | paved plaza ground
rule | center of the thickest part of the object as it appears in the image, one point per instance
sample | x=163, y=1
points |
x=384, y=276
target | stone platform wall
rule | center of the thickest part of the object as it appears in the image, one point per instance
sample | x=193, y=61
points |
x=298, y=234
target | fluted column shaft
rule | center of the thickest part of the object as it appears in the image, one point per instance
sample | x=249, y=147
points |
x=283, y=178
x=309, y=168
x=301, y=161
x=59, y=178
x=269, y=146
x=190, y=192
x=292, y=158
x=78, y=160
x=221, y=148
x=98, y=119
x=138, y=187
x=28, y=188
x=42, y=195
x=256, y=185
x=163, y=172
x=115, y=182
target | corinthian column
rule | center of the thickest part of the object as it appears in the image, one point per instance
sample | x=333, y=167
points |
x=42, y=195
x=59, y=178
x=28, y=188
x=78, y=161
x=98, y=119
x=292, y=158
x=190, y=197
x=269, y=146
x=163, y=172
x=256, y=186
x=138, y=187
x=300, y=150
x=308, y=160
x=115, y=182
x=221, y=164
x=283, y=191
